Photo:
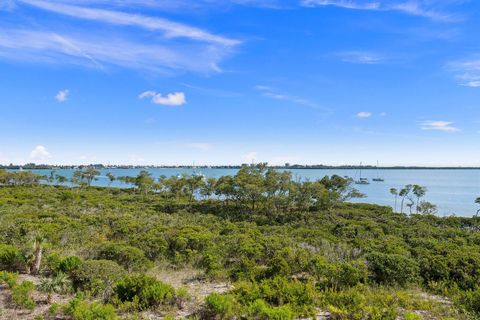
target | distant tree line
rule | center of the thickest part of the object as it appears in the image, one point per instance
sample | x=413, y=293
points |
x=257, y=187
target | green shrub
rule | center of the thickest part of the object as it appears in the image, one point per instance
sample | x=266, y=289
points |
x=97, y=275
x=339, y=275
x=412, y=316
x=9, y=278
x=78, y=309
x=220, y=306
x=392, y=269
x=146, y=292
x=131, y=258
x=260, y=310
x=10, y=258
x=279, y=291
x=69, y=264
x=21, y=295
x=470, y=301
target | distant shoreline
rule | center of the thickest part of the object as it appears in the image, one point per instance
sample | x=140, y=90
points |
x=289, y=167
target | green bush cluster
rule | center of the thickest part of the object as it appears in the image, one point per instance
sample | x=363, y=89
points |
x=10, y=257
x=21, y=295
x=131, y=258
x=143, y=292
x=96, y=276
x=79, y=309
x=284, y=259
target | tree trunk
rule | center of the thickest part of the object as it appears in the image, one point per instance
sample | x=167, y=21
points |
x=38, y=259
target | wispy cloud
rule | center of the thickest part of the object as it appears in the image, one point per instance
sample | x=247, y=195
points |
x=364, y=114
x=414, y=8
x=40, y=153
x=174, y=99
x=171, y=29
x=167, y=47
x=467, y=72
x=273, y=93
x=361, y=57
x=62, y=95
x=96, y=52
x=7, y=5
x=445, y=126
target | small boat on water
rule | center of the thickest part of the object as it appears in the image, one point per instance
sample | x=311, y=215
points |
x=362, y=180
x=378, y=178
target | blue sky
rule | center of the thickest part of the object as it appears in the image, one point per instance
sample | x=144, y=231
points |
x=233, y=81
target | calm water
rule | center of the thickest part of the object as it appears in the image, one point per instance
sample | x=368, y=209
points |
x=453, y=191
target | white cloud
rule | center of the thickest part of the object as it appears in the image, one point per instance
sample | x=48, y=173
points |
x=272, y=93
x=113, y=38
x=62, y=95
x=361, y=57
x=467, y=72
x=364, y=115
x=171, y=29
x=347, y=4
x=414, y=8
x=171, y=99
x=40, y=153
x=249, y=157
x=200, y=146
x=383, y=114
x=92, y=50
x=445, y=126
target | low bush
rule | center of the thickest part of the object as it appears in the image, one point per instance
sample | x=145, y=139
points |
x=79, y=309
x=10, y=258
x=131, y=258
x=96, y=276
x=69, y=264
x=392, y=269
x=262, y=311
x=279, y=291
x=470, y=301
x=9, y=278
x=220, y=306
x=21, y=295
x=143, y=291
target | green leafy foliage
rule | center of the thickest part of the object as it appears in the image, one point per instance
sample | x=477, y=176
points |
x=143, y=291
x=69, y=264
x=21, y=295
x=10, y=257
x=97, y=276
x=79, y=309
x=131, y=258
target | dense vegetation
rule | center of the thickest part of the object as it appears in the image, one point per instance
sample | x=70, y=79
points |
x=288, y=248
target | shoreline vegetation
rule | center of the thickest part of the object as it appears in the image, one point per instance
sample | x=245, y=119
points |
x=32, y=166
x=256, y=245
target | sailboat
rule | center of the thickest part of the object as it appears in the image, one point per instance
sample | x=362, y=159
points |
x=362, y=180
x=378, y=178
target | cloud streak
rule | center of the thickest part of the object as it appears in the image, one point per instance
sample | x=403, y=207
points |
x=413, y=8
x=164, y=47
x=364, y=115
x=171, y=29
x=445, y=126
x=94, y=51
x=272, y=93
x=467, y=72
x=361, y=57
